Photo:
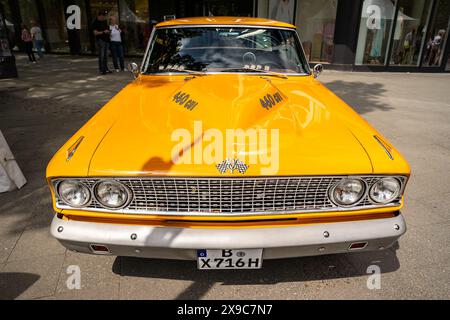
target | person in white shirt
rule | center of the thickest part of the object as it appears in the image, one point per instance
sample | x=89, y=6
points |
x=36, y=35
x=116, y=44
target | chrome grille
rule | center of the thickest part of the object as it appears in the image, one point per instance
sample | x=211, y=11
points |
x=229, y=196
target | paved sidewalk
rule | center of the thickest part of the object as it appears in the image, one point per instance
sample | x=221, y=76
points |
x=53, y=98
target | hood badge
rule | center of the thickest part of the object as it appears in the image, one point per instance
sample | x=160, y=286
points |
x=270, y=100
x=232, y=165
x=73, y=148
x=387, y=148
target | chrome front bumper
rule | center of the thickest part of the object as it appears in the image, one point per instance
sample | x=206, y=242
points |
x=182, y=243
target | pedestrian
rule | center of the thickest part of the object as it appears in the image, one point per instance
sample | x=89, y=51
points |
x=26, y=38
x=116, y=44
x=101, y=32
x=36, y=35
x=436, y=47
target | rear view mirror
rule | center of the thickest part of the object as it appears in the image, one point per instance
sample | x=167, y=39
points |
x=134, y=68
x=317, y=70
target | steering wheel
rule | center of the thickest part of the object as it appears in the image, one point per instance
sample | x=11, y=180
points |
x=249, y=58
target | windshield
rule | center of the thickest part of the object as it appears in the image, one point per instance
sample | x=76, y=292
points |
x=225, y=49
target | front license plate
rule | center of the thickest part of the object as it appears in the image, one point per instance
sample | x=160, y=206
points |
x=229, y=259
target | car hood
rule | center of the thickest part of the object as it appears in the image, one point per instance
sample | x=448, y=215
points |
x=177, y=124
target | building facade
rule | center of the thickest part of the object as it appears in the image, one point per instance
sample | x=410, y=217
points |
x=377, y=35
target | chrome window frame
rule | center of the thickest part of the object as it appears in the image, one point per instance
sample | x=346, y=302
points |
x=152, y=35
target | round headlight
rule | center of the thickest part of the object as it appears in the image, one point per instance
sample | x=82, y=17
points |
x=112, y=194
x=385, y=190
x=74, y=193
x=348, y=192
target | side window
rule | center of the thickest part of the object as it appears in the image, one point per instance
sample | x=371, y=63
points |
x=291, y=49
x=288, y=49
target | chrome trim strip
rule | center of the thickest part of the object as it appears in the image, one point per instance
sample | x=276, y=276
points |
x=146, y=54
x=185, y=74
x=249, y=26
x=231, y=214
x=71, y=151
x=384, y=147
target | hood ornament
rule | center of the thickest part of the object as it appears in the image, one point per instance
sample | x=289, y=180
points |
x=232, y=165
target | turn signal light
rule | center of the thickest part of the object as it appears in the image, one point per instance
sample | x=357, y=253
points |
x=98, y=248
x=357, y=245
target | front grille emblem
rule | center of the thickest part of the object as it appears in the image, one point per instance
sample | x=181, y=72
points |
x=232, y=164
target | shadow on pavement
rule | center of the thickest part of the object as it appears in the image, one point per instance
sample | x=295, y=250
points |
x=12, y=284
x=34, y=128
x=303, y=269
x=363, y=97
x=67, y=80
x=39, y=111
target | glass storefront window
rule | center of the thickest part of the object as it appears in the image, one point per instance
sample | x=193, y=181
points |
x=374, y=31
x=110, y=6
x=80, y=39
x=437, y=35
x=236, y=8
x=134, y=22
x=282, y=10
x=55, y=30
x=315, y=23
x=409, y=30
x=28, y=12
x=5, y=50
x=10, y=31
x=97, y=5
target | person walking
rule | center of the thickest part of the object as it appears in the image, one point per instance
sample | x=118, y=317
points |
x=26, y=38
x=101, y=32
x=116, y=44
x=36, y=35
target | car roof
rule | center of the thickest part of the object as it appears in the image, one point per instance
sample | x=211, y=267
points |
x=247, y=21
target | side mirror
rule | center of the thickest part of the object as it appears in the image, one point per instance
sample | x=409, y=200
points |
x=318, y=68
x=134, y=68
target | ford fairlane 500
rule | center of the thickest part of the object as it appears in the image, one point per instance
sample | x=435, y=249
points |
x=226, y=150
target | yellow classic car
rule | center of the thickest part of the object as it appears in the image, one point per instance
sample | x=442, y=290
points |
x=226, y=150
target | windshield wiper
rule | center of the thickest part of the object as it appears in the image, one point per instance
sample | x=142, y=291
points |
x=194, y=72
x=265, y=72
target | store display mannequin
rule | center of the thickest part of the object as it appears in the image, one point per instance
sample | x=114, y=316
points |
x=397, y=36
x=377, y=43
x=282, y=11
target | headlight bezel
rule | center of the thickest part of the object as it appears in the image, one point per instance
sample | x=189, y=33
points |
x=60, y=196
x=362, y=197
x=127, y=189
x=397, y=194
